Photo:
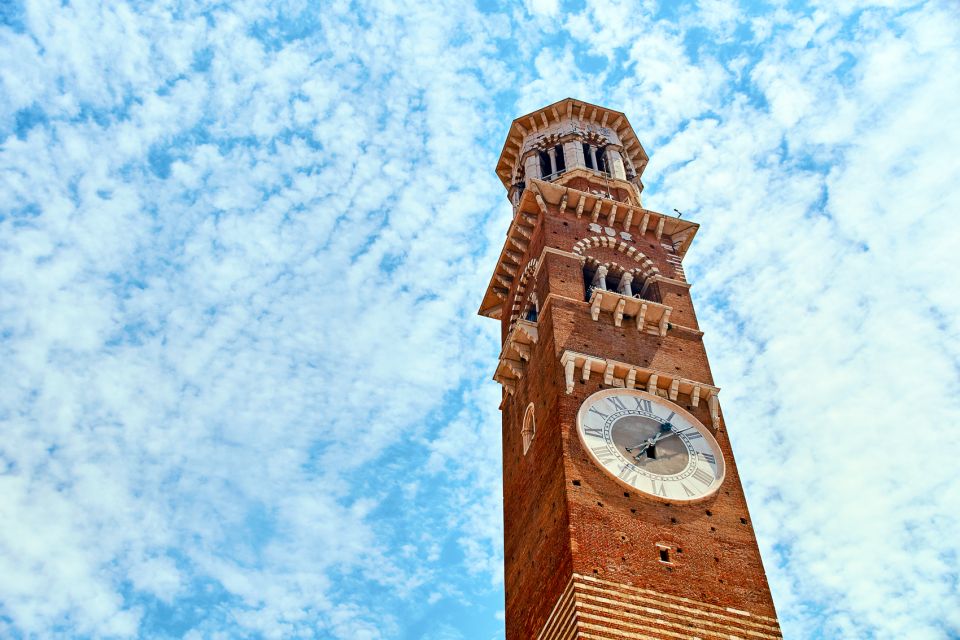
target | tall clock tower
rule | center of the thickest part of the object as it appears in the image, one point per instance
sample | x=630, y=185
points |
x=624, y=516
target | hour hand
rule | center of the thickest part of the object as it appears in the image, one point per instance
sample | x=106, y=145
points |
x=642, y=448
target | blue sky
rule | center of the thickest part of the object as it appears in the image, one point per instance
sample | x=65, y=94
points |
x=245, y=392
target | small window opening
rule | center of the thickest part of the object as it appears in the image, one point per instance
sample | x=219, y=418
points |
x=576, y=483
x=587, y=156
x=529, y=429
x=602, y=159
x=664, y=555
x=561, y=163
x=544, y=164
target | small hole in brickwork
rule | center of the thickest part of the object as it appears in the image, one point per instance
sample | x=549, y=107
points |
x=743, y=521
x=623, y=538
x=673, y=520
x=709, y=513
x=595, y=571
x=664, y=555
x=626, y=494
x=679, y=550
x=721, y=580
x=633, y=510
x=566, y=224
x=624, y=558
x=716, y=559
x=713, y=528
x=599, y=504
x=576, y=483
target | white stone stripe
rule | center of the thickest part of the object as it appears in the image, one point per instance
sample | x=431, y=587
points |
x=560, y=619
x=704, y=617
x=675, y=601
x=684, y=623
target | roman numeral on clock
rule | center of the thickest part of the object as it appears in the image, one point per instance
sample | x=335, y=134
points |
x=617, y=403
x=709, y=457
x=595, y=432
x=702, y=477
x=604, y=455
x=644, y=405
x=659, y=489
x=628, y=474
x=691, y=434
x=687, y=491
x=602, y=415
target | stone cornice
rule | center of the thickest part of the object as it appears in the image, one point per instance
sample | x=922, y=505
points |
x=631, y=376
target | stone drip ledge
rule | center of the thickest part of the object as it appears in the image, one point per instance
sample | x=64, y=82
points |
x=648, y=316
x=515, y=354
x=614, y=213
x=629, y=376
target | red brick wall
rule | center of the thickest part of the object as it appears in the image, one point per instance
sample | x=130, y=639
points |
x=537, y=557
x=554, y=527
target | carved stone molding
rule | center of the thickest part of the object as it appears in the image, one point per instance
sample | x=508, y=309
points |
x=515, y=354
x=630, y=376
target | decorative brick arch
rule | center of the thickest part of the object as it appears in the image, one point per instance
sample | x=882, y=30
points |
x=644, y=269
x=518, y=299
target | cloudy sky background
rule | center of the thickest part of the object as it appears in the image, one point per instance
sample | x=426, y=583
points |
x=244, y=389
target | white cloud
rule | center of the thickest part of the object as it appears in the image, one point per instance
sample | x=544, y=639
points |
x=241, y=253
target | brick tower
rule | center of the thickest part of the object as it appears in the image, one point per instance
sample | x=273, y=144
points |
x=624, y=516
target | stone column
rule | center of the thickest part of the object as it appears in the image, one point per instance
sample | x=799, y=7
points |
x=573, y=154
x=600, y=278
x=532, y=167
x=552, y=152
x=595, y=152
x=624, y=286
x=615, y=163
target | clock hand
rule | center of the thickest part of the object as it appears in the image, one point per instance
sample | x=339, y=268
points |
x=643, y=447
x=666, y=430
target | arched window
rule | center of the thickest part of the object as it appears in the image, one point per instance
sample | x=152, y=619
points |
x=532, y=310
x=545, y=170
x=560, y=160
x=529, y=428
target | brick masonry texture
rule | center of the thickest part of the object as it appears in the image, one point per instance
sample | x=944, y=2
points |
x=564, y=516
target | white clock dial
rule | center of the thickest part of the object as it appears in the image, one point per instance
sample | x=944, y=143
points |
x=650, y=445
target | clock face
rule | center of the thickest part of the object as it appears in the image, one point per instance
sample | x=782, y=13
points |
x=650, y=444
